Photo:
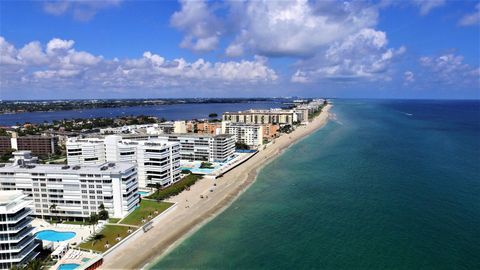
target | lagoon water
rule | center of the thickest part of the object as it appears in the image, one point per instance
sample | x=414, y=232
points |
x=169, y=112
x=386, y=185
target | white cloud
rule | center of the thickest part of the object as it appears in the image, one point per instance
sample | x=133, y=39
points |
x=271, y=28
x=471, y=18
x=426, y=6
x=7, y=53
x=82, y=10
x=33, y=53
x=296, y=28
x=450, y=69
x=59, y=65
x=408, y=77
x=364, y=55
x=201, y=26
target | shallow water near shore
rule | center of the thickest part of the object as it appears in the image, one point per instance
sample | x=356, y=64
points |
x=385, y=185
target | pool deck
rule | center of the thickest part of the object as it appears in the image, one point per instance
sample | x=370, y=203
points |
x=81, y=232
x=80, y=257
x=220, y=168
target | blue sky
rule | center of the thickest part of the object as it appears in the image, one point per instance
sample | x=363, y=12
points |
x=140, y=49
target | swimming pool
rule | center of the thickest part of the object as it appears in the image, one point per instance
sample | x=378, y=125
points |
x=143, y=193
x=54, y=236
x=68, y=266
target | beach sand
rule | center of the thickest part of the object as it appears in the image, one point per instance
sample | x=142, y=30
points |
x=192, y=212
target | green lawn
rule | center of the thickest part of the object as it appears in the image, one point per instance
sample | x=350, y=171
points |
x=107, y=235
x=77, y=222
x=147, y=207
x=176, y=188
x=114, y=220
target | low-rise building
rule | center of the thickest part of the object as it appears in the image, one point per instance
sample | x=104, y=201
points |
x=17, y=241
x=73, y=192
x=209, y=128
x=270, y=131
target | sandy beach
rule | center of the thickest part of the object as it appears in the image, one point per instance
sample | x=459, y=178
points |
x=192, y=211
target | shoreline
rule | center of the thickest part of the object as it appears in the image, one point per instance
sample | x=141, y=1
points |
x=192, y=212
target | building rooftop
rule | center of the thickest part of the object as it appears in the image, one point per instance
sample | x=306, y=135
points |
x=108, y=167
x=7, y=196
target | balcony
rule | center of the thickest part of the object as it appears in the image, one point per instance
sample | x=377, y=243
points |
x=19, y=246
x=19, y=216
x=14, y=229
x=16, y=238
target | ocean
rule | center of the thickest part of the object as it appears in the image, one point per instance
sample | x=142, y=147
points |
x=385, y=185
x=169, y=112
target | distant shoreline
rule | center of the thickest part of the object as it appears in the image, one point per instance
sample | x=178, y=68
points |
x=20, y=106
x=192, y=212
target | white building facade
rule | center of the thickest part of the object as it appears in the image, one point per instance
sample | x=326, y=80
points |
x=17, y=241
x=74, y=192
x=249, y=134
x=272, y=116
x=204, y=147
x=157, y=161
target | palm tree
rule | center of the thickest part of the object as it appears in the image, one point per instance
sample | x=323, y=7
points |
x=34, y=265
x=93, y=220
x=53, y=208
x=158, y=187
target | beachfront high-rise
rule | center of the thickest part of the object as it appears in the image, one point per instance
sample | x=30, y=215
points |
x=17, y=241
x=204, y=147
x=272, y=116
x=157, y=161
x=73, y=192
x=249, y=134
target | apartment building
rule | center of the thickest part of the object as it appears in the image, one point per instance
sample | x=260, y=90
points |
x=249, y=134
x=156, y=128
x=209, y=128
x=88, y=151
x=17, y=241
x=157, y=161
x=39, y=145
x=272, y=116
x=5, y=144
x=270, y=131
x=206, y=147
x=73, y=192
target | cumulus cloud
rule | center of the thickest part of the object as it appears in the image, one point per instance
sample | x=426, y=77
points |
x=450, y=69
x=271, y=28
x=59, y=65
x=296, y=28
x=426, y=6
x=408, y=77
x=471, y=18
x=363, y=55
x=200, y=25
x=82, y=10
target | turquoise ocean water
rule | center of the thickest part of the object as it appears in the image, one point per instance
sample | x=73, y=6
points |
x=387, y=185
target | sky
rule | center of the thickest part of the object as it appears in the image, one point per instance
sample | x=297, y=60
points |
x=168, y=49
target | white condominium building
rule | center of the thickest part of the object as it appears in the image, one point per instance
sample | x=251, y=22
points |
x=17, y=241
x=88, y=151
x=206, y=147
x=249, y=134
x=272, y=116
x=74, y=192
x=158, y=162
